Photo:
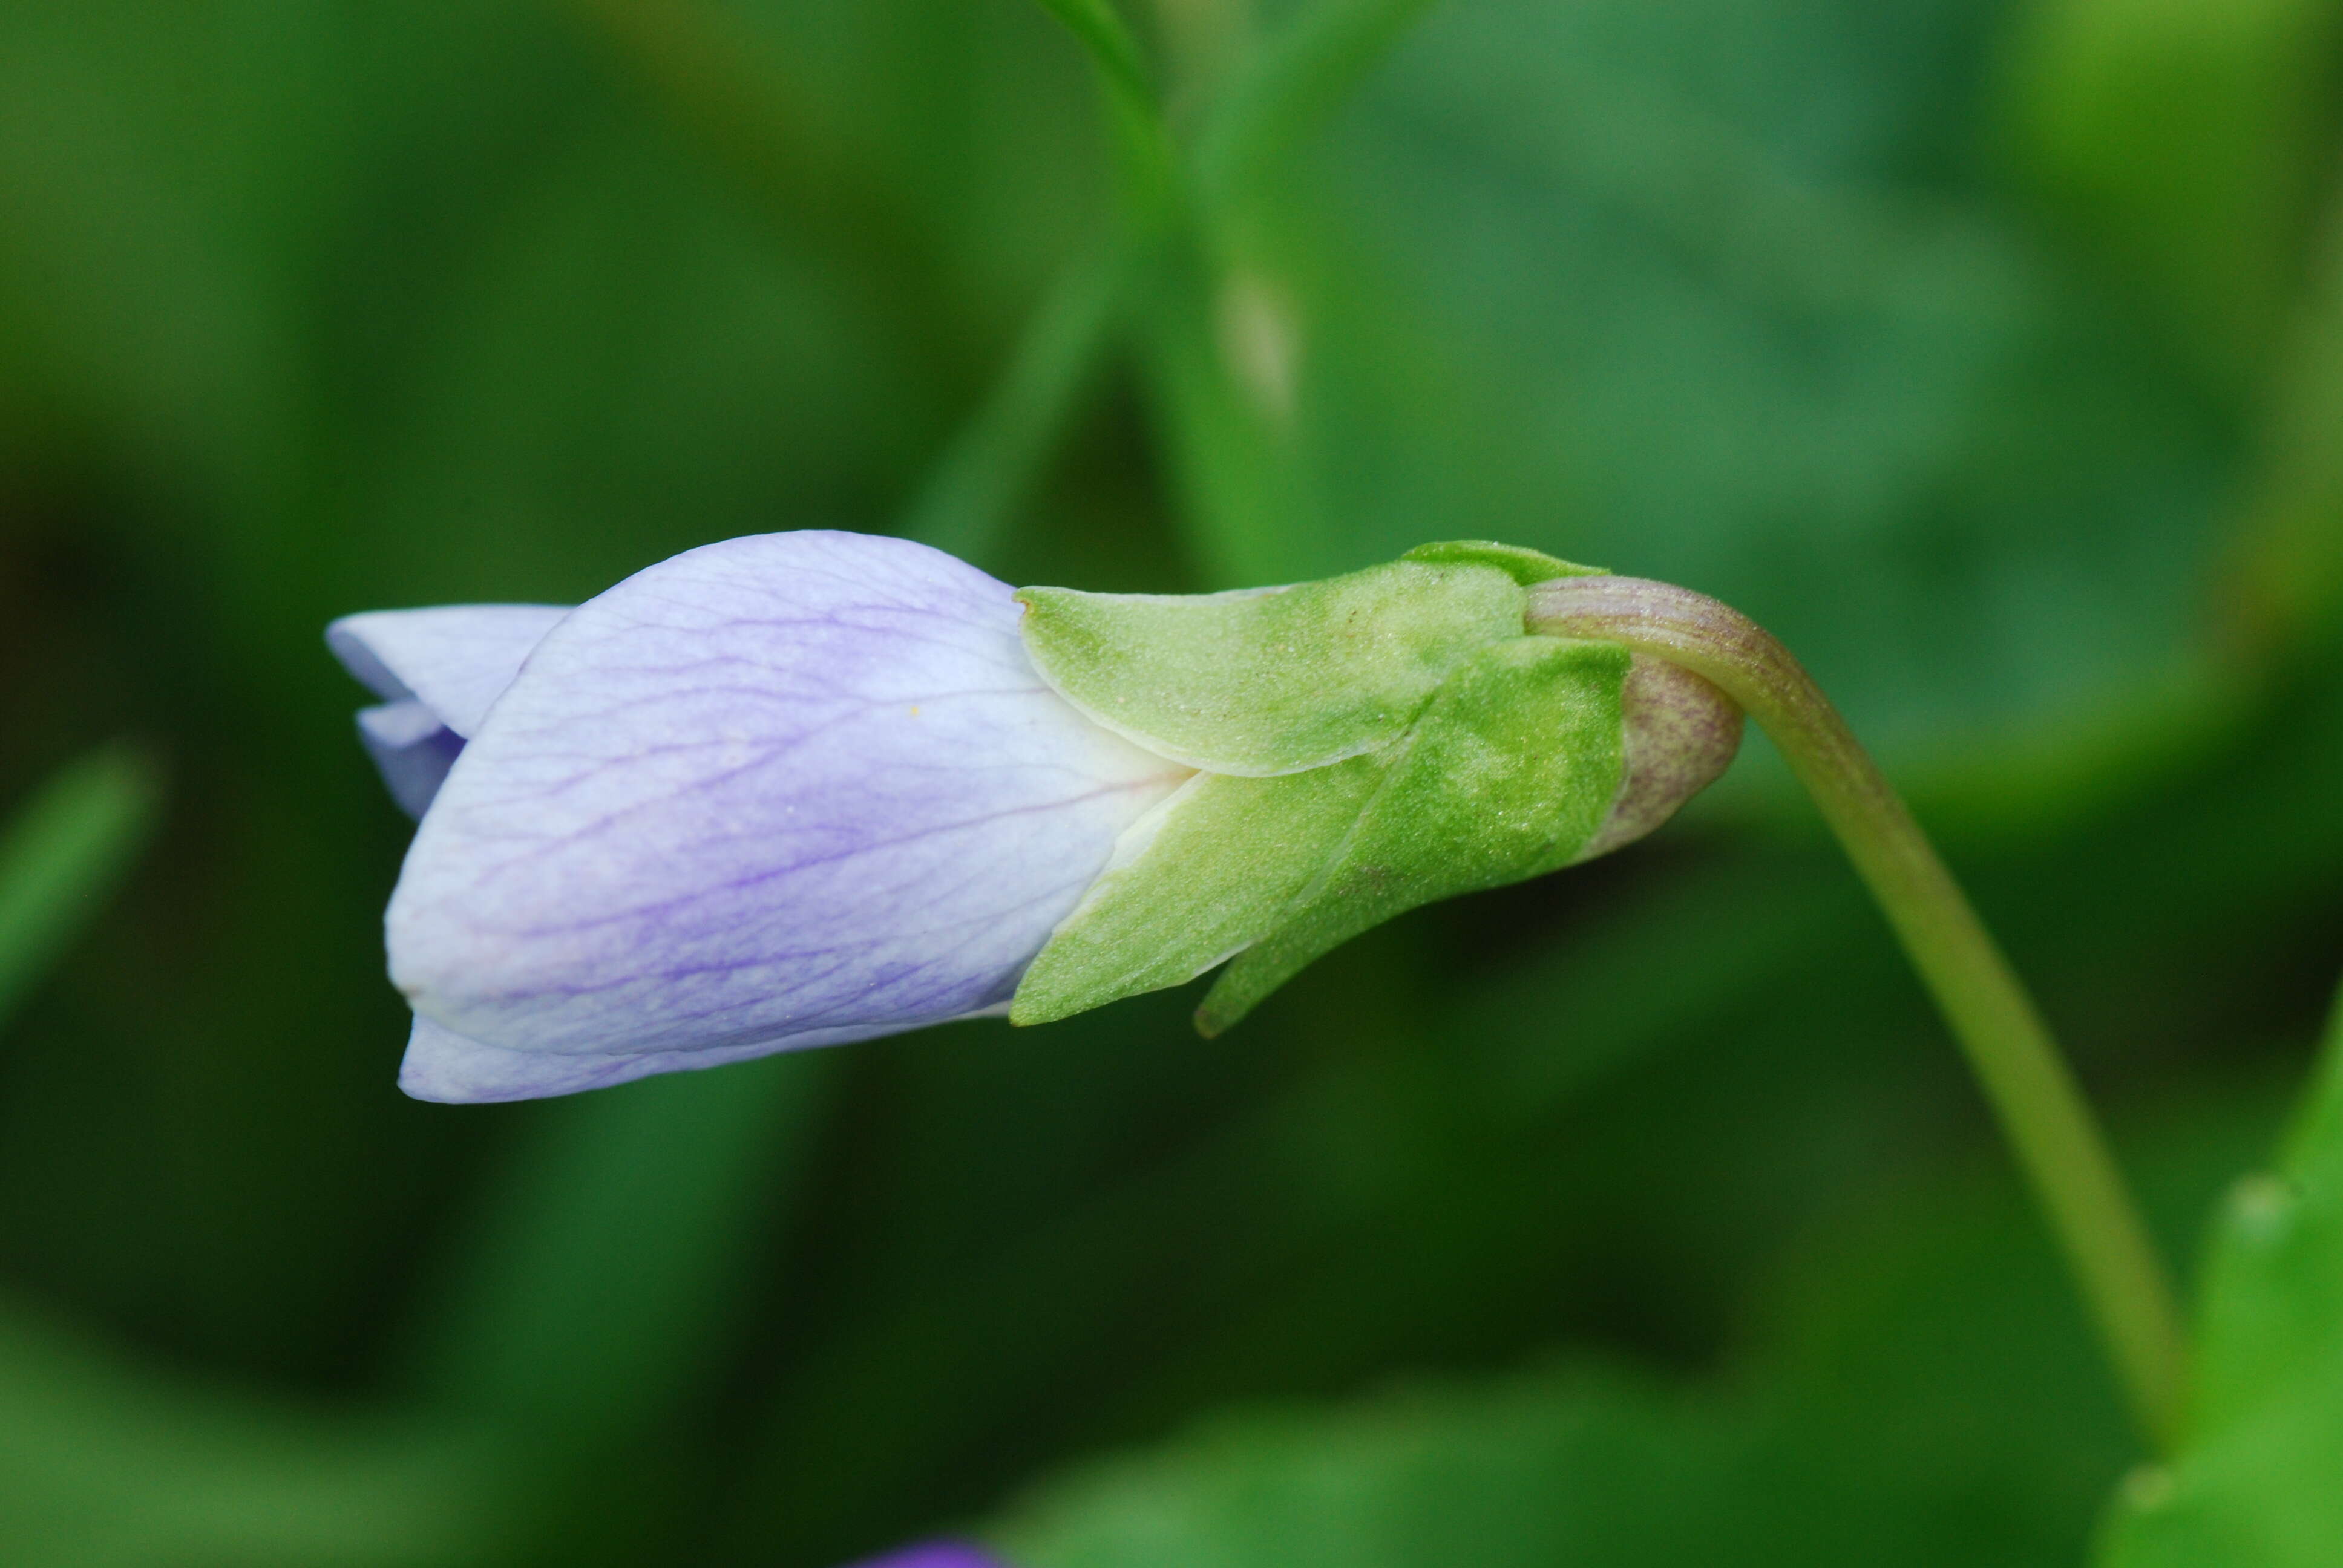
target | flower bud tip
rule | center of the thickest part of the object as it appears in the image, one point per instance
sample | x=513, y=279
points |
x=1681, y=733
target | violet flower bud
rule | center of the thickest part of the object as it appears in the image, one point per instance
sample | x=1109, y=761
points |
x=803, y=788
x=786, y=790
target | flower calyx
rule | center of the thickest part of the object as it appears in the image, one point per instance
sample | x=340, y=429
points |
x=1363, y=744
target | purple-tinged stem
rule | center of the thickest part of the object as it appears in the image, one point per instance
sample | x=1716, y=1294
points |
x=2041, y=1109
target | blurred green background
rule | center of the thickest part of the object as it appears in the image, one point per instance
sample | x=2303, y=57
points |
x=1989, y=351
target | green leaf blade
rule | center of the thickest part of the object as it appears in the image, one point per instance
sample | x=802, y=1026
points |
x=2258, y=1485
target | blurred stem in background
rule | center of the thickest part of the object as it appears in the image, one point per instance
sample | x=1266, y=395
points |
x=1290, y=87
x=2042, y=1111
x=709, y=74
x=1223, y=345
x=63, y=853
x=992, y=464
x=1230, y=345
x=1155, y=186
x=604, y=1278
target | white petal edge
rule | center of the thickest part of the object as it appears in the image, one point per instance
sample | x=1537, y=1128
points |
x=447, y=1069
x=456, y=660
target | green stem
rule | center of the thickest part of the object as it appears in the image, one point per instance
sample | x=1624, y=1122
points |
x=709, y=71
x=1293, y=86
x=991, y=465
x=1154, y=185
x=1099, y=29
x=2042, y=1111
x=62, y=854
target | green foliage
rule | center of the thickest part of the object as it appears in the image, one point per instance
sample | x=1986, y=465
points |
x=2254, y=1487
x=1101, y=28
x=114, y=1464
x=1913, y=1397
x=624, y=1218
x=1579, y=1464
x=1934, y=333
x=1702, y=292
x=2180, y=138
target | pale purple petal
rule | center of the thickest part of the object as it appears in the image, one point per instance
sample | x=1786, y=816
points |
x=936, y=1554
x=791, y=788
x=411, y=748
x=440, y=668
x=455, y=660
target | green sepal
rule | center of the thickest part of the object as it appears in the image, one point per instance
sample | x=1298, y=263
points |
x=1206, y=873
x=1264, y=682
x=1506, y=775
x=1525, y=567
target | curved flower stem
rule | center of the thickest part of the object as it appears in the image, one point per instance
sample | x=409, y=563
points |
x=2041, y=1110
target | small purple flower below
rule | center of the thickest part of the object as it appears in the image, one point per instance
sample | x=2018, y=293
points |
x=935, y=1554
x=787, y=791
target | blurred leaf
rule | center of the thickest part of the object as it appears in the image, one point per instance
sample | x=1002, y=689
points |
x=104, y=1464
x=2257, y=1484
x=608, y=1267
x=1924, y=1394
x=164, y=172
x=803, y=156
x=585, y=351
x=604, y=1276
x=2185, y=138
x=62, y=853
x=1577, y=1465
